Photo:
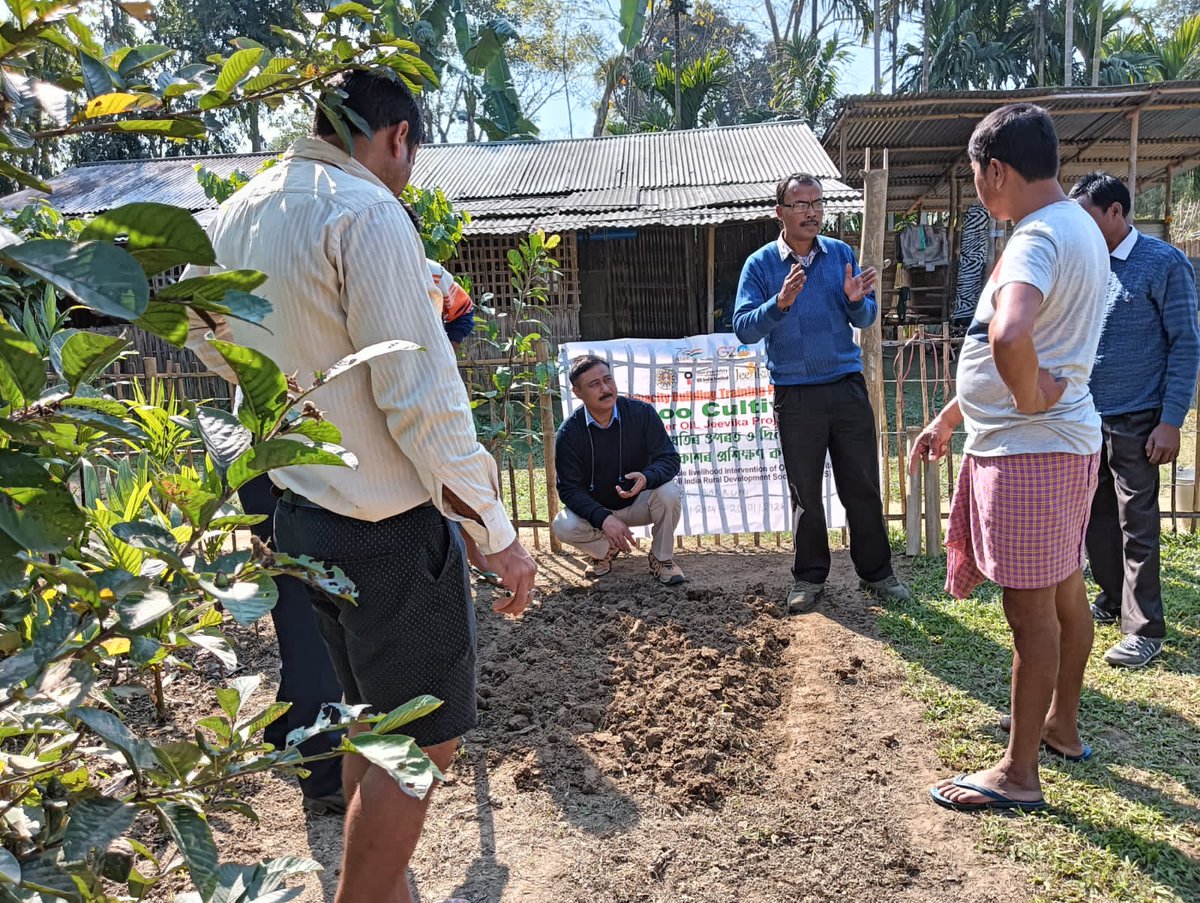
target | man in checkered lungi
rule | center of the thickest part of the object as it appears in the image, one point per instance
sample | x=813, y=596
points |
x=1021, y=506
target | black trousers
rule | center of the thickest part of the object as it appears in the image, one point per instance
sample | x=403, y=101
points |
x=835, y=418
x=1122, y=535
x=306, y=676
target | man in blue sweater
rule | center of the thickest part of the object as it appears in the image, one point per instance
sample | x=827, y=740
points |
x=616, y=469
x=1142, y=383
x=802, y=293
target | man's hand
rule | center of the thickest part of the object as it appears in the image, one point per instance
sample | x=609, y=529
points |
x=1163, y=445
x=932, y=444
x=1050, y=389
x=516, y=569
x=792, y=286
x=858, y=287
x=639, y=483
x=619, y=535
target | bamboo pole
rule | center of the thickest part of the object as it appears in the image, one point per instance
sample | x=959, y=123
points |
x=912, y=517
x=544, y=402
x=933, y=511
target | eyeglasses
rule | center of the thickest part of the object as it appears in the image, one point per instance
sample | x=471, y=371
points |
x=817, y=206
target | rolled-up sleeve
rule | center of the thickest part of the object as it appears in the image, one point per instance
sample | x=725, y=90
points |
x=386, y=296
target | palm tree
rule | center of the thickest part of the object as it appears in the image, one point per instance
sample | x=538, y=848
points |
x=972, y=46
x=806, y=74
x=1178, y=55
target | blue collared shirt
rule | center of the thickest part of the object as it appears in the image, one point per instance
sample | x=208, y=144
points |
x=590, y=420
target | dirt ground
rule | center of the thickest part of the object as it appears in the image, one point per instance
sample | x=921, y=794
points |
x=640, y=743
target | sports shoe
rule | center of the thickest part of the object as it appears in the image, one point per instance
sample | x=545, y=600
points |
x=1134, y=652
x=1102, y=615
x=599, y=567
x=666, y=572
x=889, y=589
x=803, y=597
x=334, y=804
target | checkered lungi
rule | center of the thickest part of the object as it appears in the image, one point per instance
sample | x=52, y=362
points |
x=1019, y=520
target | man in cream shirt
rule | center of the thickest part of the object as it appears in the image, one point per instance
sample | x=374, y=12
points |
x=346, y=270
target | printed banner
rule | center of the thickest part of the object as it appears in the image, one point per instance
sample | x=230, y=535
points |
x=716, y=400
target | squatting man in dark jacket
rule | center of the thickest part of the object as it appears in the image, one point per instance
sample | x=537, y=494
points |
x=616, y=469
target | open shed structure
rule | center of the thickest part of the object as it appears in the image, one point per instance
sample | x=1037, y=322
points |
x=655, y=226
x=1145, y=133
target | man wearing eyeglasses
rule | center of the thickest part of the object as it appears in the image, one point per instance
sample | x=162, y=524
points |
x=803, y=294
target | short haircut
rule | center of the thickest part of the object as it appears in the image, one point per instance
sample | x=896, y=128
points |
x=1103, y=190
x=801, y=178
x=378, y=100
x=582, y=365
x=1021, y=135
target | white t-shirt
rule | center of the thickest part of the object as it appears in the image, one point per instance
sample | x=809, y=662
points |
x=1060, y=251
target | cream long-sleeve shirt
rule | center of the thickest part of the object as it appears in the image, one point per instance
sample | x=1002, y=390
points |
x=346, y=270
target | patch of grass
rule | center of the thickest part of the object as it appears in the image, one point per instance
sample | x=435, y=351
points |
x=1124, y=826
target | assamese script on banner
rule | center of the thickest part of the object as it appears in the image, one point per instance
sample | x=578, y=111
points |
x=716, y=400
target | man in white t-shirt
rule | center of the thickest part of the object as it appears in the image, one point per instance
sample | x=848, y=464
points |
x=1025, y=488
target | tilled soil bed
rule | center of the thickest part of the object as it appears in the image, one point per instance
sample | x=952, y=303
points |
x=642, y=743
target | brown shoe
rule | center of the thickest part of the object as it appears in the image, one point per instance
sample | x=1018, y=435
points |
x=599, y=567
x=666, y=572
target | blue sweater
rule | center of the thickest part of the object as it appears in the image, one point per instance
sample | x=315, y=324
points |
x=1150, y=347
x=811, y=342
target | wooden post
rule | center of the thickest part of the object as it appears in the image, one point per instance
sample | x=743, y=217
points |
x=875, y=191
x=933, y=511
x=712, y=277
x=1195, y=525
x=912, y=514
x=544, y=401
x=1134, y=118
x=1169, y=202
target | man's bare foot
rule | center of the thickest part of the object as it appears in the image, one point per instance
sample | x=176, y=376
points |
x=1062, y=741
x=994, y=779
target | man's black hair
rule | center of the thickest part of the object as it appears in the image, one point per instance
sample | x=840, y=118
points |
x=1103, y=190
x=378, y=101
x=1021, y=135
x=582, y=365
x=800, y=178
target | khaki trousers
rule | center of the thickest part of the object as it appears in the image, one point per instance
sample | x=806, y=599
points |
x=657, y=508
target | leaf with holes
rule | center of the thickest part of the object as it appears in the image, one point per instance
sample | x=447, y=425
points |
x=400, y=757
x=119, y=102
x=159, y=236
x=330, y=579
x=98, y=274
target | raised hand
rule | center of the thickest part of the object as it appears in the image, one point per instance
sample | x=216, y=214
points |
x=858, y=287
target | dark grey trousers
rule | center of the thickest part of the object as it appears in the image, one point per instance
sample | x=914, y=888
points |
x=835, y=418
x=1122, y=535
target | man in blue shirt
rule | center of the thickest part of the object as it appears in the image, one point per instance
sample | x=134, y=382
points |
x=1142, y=383
x=803, y=293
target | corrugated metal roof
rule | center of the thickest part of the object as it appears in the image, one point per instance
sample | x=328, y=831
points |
x=926, y=134
x=677, y=178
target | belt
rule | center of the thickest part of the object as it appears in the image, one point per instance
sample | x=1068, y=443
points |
x=298, y=501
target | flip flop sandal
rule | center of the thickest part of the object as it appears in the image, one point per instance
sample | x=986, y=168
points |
x=1005, y=724
x=996, y=800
